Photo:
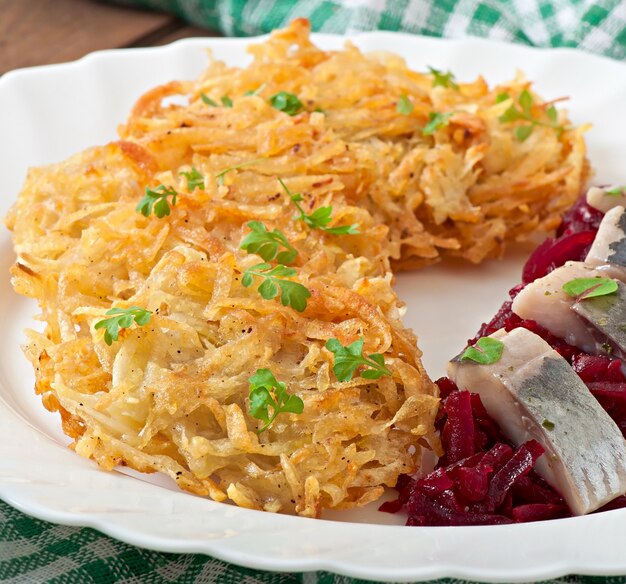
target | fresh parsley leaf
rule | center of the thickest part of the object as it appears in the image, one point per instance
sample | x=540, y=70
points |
x=226, y=101
x=526, y=101
x=510, y=115
x=292, y=294
x=582, y=288
x=552, y=114
x=222, y=173
x=257, y=90
x=156, y=200
x=485, y=351
x=443, y=79
x=523, y=111
x=286, y=102
x=206, y=99
x=320, y=218
x=436, y=120
x=405, y=105
x=523, y=132
x=267, y=392
x=122, y=318
x=616, y=191
x=348, y=359
x=266, y=243
x=195, y=179
x=502, y=97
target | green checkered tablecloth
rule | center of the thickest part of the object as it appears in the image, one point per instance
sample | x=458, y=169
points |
x=36, y=551
x=596, y=26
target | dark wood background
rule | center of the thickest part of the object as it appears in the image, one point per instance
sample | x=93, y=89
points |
x=40, y=32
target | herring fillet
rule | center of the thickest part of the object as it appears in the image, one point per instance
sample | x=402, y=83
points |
x=607, y=314
x=602, y=199
x=608, y=252
x=533, y=393
x=545, y=302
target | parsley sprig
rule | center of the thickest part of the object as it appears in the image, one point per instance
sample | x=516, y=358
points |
x=256, y=91
x=405, y=106
x=523, y=111
x=582, y=288
x=156, y=200
x=485, y=351
x=286, y=102
x=195, y=179
x=266, y=244
x=222, y=173
x=267, y=392
x=292, y=294
x=226, y=101
x=436, y=120
x=122, y=318
x=442, y=79
x=320, y=218
x=348, y=359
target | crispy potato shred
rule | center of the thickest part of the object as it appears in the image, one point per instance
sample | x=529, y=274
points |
x=173, y=395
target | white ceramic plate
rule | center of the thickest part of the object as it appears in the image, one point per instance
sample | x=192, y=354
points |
x=51, y=112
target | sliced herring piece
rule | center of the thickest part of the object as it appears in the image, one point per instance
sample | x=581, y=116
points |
x=545, y=302
x=608, y=315
x=599, y=198
x=532, y=393
x=608, y=252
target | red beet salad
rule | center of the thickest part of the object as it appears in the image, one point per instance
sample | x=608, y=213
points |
x=533, y=413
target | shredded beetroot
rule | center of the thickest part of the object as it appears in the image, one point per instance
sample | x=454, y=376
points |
x=488, y=487
x=594, y=368
x=581, y=217
x=482, y=479
x=553, y=253
x=458, y=433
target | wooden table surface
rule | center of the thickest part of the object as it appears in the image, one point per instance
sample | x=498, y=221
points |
x=40, y=32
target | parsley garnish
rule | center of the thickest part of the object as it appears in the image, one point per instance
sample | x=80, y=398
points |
x=525, y=102
x=286, y=102
x=582, y=288
x=195, y=179
x=436, y=120
x=502, y=97
x=443, y=79
x=266, y=243
x=548, y=425
x=486, y=351
x=292, y=294
x=405, y=105
x=222, y=173
x=206, y=99
x=320, y=218
x=156, y=199
x=257, y=90
x=122, y=318
x=267, y=392
x=226, y=101
x=349, y=359
x=616, y=191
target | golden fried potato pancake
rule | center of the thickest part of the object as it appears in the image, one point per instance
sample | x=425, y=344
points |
x=173, y=396
x=466, y=189
x=172, y=393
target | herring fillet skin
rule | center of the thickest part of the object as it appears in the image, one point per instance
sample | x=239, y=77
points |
x=533, y=393
x=608, y=252
x=608, y=315
x=545, y=302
